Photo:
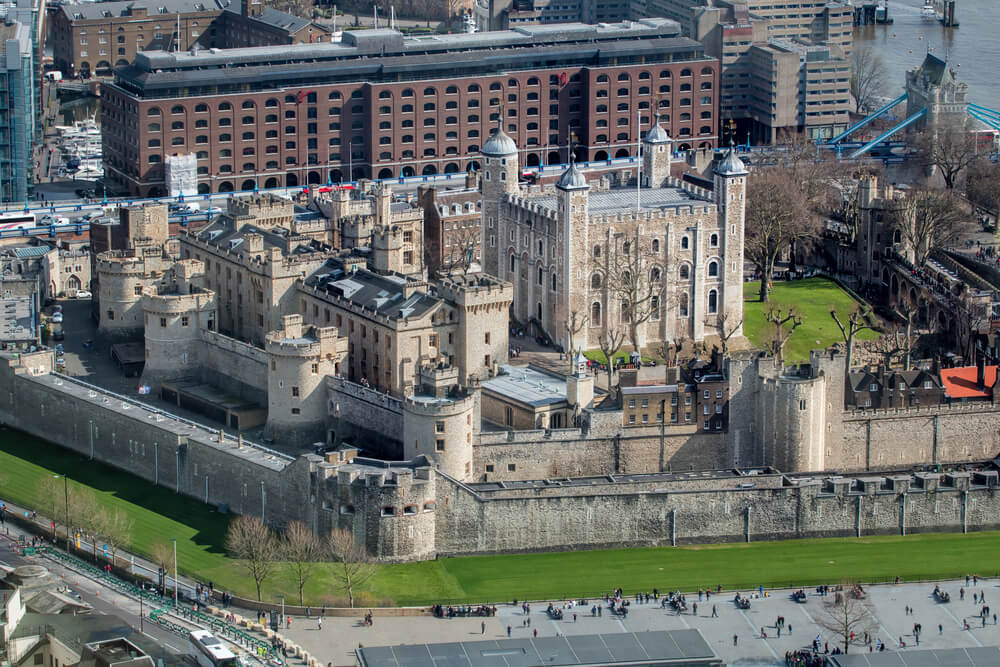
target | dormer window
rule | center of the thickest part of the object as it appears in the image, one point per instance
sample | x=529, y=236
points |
x=161, y=10
x=107, y=14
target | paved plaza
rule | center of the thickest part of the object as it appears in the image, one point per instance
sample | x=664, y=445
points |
x=340, y=636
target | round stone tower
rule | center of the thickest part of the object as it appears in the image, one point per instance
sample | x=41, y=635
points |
x=122, y=277
x=173, y=315
x=439, y=422
x=500, y=177
x=299, y=359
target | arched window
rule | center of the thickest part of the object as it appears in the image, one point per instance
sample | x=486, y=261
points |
x=684, y=243
x=682, y=304
x=595, y=314
x=541, y=275
x=654, y=275
x=512, y=258
x=225, y=106
x=713, y=269
x=685, y=272
x=595, y=281
x=626, y=248
x=656, y=245
x=713, y=301
x=597, y=251
x=714, y=240
x=554, y=281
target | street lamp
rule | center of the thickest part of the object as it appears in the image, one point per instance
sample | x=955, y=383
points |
x=281, y=619
x=66, y=499
x=176, y=583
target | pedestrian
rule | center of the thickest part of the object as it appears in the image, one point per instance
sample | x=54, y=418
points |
x=715, y=613
x=288, y=622
x=536, y=632
x=789, y=628
x=961, y=593
x=940, y=629
x=508, y=631
x=574, y=618
x=779, y=632
x=319, y=623
x=966, y=580
x=482, y=627
x=694, y=608
x=735, y=638
x=994, y=619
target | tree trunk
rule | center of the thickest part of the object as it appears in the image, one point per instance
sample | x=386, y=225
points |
x=258, y=589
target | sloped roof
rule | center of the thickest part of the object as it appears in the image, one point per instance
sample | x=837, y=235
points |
x=934, y=69
x=961, y=382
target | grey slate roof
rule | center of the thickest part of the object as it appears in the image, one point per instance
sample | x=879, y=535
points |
x=98, y=10
x=383, y=294
x=278, y=19
x=685, y=647
x=222, y=234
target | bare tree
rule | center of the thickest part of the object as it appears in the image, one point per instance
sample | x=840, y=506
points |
x=971, y=318
x=162, y=553
x=856, y=322
x=929, y=219
x=115, y=527
x=254, y=547
x=610, y=341
x=848, y=618
x=575, y=323
x=778, y=214
x=848, y=184
x=354, y=566
x=636, y=292
x=868, y=76
x=982, y=186
x=780, y=319
x=950, y=147
x=728, y=327
x=301, y=551
x=459, y=250
x=895, y=343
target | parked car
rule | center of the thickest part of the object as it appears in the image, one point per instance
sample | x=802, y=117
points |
x=83, y=294
x=57, y=318
x=60, y=350
x=57, y=308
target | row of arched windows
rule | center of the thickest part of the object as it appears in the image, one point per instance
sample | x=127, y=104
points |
x=655, y=275
x=711, y=305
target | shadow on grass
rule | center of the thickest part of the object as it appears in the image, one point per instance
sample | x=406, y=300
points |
x=209, y=525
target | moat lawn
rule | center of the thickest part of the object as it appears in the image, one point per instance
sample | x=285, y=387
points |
x=160, y=514
x=813, y=298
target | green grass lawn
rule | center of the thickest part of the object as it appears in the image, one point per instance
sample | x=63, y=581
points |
x=160, y=514
x=813, y=298
x=598, y=357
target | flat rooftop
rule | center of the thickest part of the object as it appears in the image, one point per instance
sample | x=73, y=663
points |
x=527, y=385
x=984, y=656
x=664, y=647
x=624, y=200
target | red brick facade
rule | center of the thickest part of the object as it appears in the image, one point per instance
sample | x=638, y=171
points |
x=296, y=136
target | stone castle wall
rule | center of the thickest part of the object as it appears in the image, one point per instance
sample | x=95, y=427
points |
x=543, y=454
x=165, y=451
x=606, y=514
x=366, y=418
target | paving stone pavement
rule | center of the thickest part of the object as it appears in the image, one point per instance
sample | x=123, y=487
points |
x=336, y=642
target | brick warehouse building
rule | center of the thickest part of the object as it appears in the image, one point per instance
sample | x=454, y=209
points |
x=382, y=105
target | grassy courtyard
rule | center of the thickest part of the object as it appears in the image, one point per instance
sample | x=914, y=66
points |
x=812, y=298
x=160, y=514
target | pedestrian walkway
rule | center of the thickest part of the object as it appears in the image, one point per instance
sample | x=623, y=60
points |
x=337, y=638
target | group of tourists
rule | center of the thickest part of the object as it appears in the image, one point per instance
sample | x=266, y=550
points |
x=441, y=611
x=804, y=658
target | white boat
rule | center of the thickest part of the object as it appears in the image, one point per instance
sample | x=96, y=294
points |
x=928, y=12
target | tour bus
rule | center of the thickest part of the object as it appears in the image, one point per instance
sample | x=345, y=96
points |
x=9, y=221
x=211, y=652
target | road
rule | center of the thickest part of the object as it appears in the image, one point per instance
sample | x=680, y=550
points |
x=103, y=599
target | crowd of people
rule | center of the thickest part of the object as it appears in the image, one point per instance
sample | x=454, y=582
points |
x=441, y=611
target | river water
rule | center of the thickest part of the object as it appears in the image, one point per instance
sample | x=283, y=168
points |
x=973, y=48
